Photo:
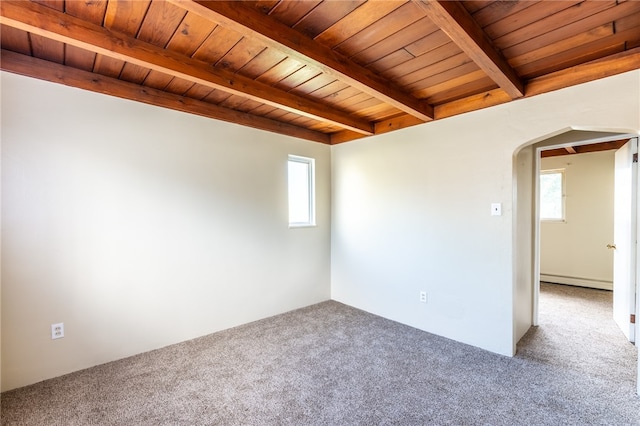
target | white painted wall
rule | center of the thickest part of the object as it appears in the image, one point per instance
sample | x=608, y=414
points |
x=523, y=241
x=139, y=227
x=574, y=252
x=411, y=212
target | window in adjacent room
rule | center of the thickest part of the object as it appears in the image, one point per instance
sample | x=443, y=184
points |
x=552, y=195
x=302, y=209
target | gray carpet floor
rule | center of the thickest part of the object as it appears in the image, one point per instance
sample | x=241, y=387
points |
x=330, y=364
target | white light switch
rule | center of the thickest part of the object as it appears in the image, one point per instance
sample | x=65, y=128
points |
x=496, y=209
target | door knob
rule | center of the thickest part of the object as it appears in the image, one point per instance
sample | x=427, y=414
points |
x=611, y=246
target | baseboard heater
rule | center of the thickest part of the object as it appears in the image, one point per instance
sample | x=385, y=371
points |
x=577, y=281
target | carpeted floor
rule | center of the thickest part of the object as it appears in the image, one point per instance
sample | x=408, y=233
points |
x=330, y=364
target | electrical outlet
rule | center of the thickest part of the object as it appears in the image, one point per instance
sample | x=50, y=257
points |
x=57, y=330
x=423, y=297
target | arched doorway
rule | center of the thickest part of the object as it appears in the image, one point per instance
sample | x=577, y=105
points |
x=526, y=217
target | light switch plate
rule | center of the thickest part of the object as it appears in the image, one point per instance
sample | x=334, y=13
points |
x=496, y=209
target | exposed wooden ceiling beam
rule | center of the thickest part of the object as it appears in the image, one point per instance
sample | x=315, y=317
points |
x=582, y=149
x=58, y=26
x=464, y=31
x=384, y=126
x=583, y=73
x=618, y=63
x=252, y=23
x=56, y=73
x=570, y=150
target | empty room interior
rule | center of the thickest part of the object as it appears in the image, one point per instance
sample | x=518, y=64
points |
x=319, y=212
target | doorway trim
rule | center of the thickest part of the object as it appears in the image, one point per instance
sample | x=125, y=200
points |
x=574, y=136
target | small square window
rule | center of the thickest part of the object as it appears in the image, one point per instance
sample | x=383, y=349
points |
x=301, y=177
x=552, y=195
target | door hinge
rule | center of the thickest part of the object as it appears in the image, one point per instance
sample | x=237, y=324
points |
x=633, y=319
x=635, y=157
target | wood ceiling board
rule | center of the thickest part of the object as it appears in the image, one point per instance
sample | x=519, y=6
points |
x=179, y=86
x=428, y=43
x=459, y=25
x=160, y=23
x=281, y=115
x=45, y=70
x=384, y=27
x=419, y=63
x=436, y=75
x=379, y=112
x=321, y=127
x=582, y=149
x=443, y=66
x=241, y=54
x=385, y=126
x=220, y=41
x=15, y=40
x=233, y=102
x=248, y=105
x=198, y=91
x=192, y=32
x=329, y=90
x=391, y=61
x=600, y=68
x=157, y=80
x=252, y=23
x=313, y=84
x=216, y=96
x=53, y=4
x=563, y=60
x=463, y=91
x=346, y=102
x=93, y=11
x=264, y=6
x=107, y=66
x=297, y=78
x=303, y=122
x=631, y=20
x=262, y=110
x=280, y=71
x=325, y=15
x=552, y=22
x=290, y=12
x=591, y=23
x=441, y=83
x=395, y=42
x=262, y=63
x=125, y=16
x=475, y=5
x=133, y=73
x=45, y=48
x=359, y=106
x=499, y=11
x=79, y=58
x=341, y=96
x=73, y=31
x=561, y=46
x=537, y=11
x=357, y=21
x=472, y=103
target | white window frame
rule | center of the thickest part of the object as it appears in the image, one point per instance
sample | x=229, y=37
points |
x=311, y=190
x=563, y=184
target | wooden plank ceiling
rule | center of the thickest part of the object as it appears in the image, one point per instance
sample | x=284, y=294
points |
x=329, y=71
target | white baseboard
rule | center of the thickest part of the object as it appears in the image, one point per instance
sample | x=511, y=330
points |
x=581, y=282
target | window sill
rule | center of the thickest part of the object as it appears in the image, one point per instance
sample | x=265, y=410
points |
x=302, y=225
